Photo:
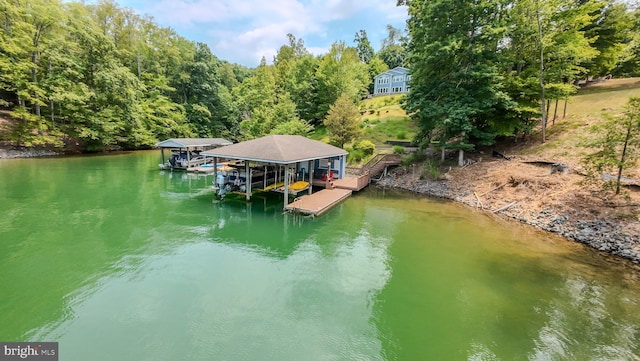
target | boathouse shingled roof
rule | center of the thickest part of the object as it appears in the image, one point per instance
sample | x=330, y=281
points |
x=193, y=142
x=280, y=149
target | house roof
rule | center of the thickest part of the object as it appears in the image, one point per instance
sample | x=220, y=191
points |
x=192, y=142
x=395, y=71
x=279, y=149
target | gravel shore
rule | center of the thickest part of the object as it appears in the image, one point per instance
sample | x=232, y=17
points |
x=12, y=153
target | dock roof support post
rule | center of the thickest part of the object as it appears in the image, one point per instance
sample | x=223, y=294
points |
x=247, y=179
x=286, y=185
x=310, y=176
x=215, y=172
x=188, y=158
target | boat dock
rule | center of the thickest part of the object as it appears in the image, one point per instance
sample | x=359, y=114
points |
x=317, y=203
x=339, y=189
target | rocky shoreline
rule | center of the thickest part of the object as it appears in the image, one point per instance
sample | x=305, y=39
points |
x=13, y=153
x=610, y=236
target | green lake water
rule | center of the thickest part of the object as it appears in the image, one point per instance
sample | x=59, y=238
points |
x=116, y=260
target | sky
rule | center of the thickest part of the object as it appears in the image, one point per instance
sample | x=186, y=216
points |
x=243, y=31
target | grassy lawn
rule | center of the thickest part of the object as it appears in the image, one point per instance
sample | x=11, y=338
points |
x=589, y=107
x=382, y=119
x=604, y=97
x=379, y=130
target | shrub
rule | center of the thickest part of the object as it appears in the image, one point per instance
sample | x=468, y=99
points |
x=398, y=149
x=415, y=157
x=371, y=111
x=355, y=155
x=401, y=135
x=366, y=147
x=430, y=170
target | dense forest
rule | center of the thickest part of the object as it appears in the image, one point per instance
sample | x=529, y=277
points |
x=103, y=77
x=484, y=69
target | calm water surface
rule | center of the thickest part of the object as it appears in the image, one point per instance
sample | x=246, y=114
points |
x=116, y=260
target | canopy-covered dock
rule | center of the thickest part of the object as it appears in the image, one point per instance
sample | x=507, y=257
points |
x=284, y=163
x=186, y=152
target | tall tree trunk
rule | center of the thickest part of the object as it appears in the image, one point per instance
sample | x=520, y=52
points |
x=548, y=108
x=555, y=112
x=541, y=75
x=34, y=78
x=51, y=105
x=624, y=155
x=564, y=114
x=461, y=152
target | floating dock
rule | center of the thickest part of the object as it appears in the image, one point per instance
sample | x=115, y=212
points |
x=317, y=203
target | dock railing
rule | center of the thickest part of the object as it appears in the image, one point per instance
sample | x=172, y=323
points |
x=374, y=166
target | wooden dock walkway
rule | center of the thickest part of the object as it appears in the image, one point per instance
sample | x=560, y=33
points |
x=317, y=203
x=339, y=189
x=354, y=183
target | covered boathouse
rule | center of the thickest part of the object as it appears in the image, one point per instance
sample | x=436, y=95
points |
x=185, y=153
x=288, y=164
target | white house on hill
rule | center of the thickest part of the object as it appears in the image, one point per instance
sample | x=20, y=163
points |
x=394, y=81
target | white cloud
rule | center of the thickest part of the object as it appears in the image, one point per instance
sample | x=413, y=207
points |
x=244, y=31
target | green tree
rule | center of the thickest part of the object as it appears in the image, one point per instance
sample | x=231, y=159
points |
x=393, y=50
x=394, y=56
x=618, y=144
x=547, y=44
x=395, y=36
x=611, y=30
x=343, y=121
x=629, y=63
x=340, y=72
x=365, y=50
x=457, y=94
x=302, y=85
x=103, y=76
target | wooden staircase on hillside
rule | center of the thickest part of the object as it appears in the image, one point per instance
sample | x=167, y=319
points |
x=360, y=177
x=380, y=163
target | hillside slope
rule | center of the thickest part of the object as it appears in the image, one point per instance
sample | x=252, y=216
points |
x=525, y=188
